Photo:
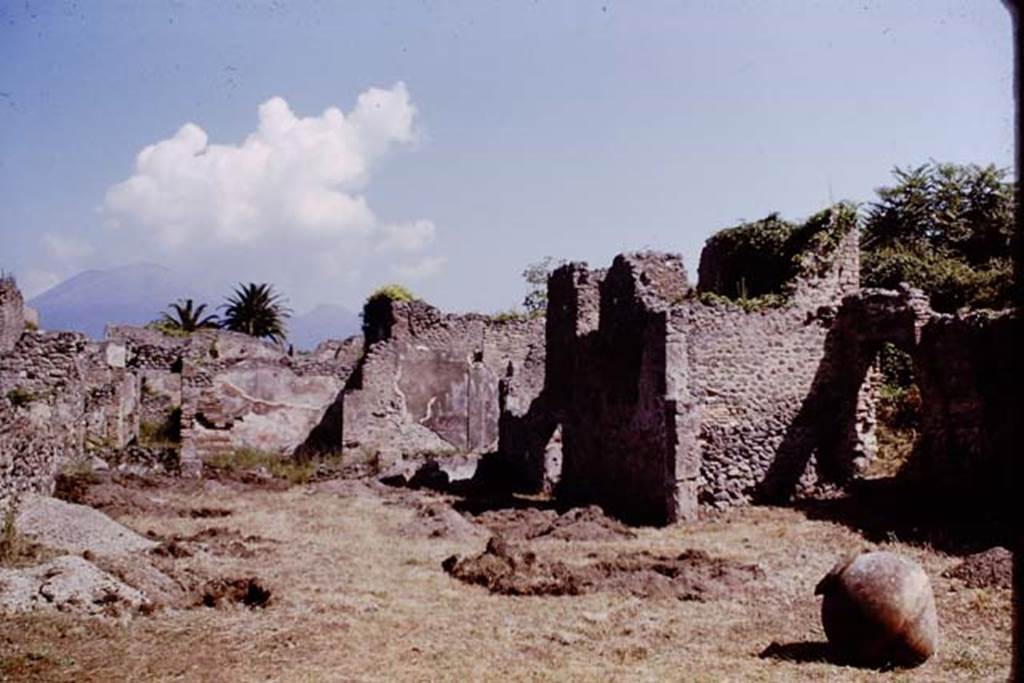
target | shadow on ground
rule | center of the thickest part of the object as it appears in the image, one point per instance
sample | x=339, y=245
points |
x=801, y=653
x=885, y=510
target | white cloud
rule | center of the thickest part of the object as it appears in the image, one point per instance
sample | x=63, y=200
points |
x=292, y=175
x=407, y=236
x=284, y=204
x=420, y=269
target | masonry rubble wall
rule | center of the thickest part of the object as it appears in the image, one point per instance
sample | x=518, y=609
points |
x=12, y=314
x=971, y=410
x=770, y=422
x=63, y=397
x=230, y=391
x=628, y=426
x=666, y=402
x=60, y=396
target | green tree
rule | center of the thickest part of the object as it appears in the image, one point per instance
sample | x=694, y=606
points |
x=536, y=276
x=186, y=317
x=256, y=310
x=944, y=228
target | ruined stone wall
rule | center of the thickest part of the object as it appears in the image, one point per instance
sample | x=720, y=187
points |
x=666, y=399
x=428, y=384
x=763, y=380
x=971, y=409
x=12, y=314
x=42, y=409
x=627, y=425
x=242, y=393
x=61, y=397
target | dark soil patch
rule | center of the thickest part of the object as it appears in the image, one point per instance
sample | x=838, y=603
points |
x=222, y=592
x=992, y=568
x=111, y=497
x=171, y=549
x=692, y=575
x=205, y=512
x=578, y=524
x=130, y=495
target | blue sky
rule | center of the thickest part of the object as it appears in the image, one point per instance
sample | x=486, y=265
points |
x=490, y=134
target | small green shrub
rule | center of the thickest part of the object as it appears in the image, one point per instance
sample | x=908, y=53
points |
x=896, y=365
x=20, y=397
x=394, y=292
x=31, y=326
x=167, y=329
x=377, y=315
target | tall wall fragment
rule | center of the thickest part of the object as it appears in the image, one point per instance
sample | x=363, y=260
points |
x=628, y=427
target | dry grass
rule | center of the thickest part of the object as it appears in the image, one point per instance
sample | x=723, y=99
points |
x=355, y=601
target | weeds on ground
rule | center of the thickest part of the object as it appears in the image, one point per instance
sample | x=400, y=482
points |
x=281, y=467
x=10, y=541
x=16, y=550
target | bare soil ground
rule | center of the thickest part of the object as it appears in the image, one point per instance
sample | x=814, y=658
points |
x=344, y=581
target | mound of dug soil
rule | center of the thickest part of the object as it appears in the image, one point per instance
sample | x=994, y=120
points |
x=693, y=575
x=248, y=591
x=438, y=520
x=578, y=524
x=217, y=540
x=990, y=569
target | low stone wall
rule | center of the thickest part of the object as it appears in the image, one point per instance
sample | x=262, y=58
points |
x=63, y=397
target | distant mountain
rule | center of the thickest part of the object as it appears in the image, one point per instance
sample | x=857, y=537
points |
x=138, y=293
x=133, y=294
x=326, y=321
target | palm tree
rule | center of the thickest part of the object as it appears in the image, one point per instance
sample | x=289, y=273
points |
x=187, y=317
x=256, y=310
